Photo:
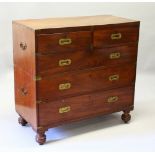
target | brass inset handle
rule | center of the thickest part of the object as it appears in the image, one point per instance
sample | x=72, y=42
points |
x=64, y=109
x=116, y=36
x=24, y=91
x=65, y=41
x=23, y=46
x=115, y=55
x=112, y=99
x=64, y=86
x=65, y=62
x=114, y=77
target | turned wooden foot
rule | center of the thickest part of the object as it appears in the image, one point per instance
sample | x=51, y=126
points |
x=41, y=137
x=22, y=121
x=126, y=116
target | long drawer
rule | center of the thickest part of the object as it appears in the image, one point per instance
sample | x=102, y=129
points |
x=48, y=64
x=85, y=106
x=54, y=87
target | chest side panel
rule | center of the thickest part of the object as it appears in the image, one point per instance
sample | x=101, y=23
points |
x=24, y=72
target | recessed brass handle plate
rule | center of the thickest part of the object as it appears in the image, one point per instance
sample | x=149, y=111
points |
x=114, y=77
x=65, y=62
x=64, y=109
x=112, y=99
x=115, y=55
x=64, y=86
x=116, y=36
x=65, y=41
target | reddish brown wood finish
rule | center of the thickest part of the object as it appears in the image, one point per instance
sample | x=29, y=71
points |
x=24, y=73
x=84, y=82
x=22, y=121
x=102, y=37
x=41, y=137
x=49, y=43
x=85, y=59
x=85, y=106
x=126, y=116
x=37, y=52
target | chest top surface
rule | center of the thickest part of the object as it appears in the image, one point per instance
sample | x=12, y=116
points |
x=37, y=24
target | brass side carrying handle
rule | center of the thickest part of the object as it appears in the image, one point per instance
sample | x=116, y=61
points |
x=23, y=46
x=64, y=109
x=115, y=55
x=112, y=99
x=65, y=41
x=116, y=36
x=24, y=91
x=114, y=77
x=64, y=62
x=64, y=86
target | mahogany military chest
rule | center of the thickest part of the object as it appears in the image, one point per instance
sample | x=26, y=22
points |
x=69, y=69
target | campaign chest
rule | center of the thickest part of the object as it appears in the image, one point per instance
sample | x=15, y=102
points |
x=70, y=69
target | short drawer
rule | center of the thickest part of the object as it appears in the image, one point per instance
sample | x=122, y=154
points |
x=57, y=63
x=73, y=83
x=85, y=106
x=115, y=35
x=61, y=42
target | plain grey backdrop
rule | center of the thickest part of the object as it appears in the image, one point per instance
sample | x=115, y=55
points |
x=102, y=134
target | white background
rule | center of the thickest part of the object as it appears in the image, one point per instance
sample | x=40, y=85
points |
x=106, y=133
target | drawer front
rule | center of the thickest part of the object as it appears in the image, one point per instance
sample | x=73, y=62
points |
x=61, y=42
x=70, y=84
x=115, y=35
x=85, y=106
x=85, y=59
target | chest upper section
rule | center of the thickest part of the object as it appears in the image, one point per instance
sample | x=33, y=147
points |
x=67, y=44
